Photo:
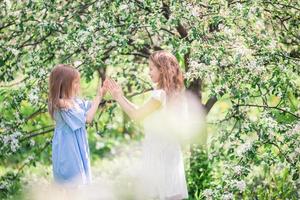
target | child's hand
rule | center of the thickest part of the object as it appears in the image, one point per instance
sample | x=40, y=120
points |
x=101, y=90
x=114, y=89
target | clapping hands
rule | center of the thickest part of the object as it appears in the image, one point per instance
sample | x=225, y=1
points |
x=113, y=88
x=101, y=91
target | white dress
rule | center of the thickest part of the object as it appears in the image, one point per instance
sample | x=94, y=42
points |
x=162, y=160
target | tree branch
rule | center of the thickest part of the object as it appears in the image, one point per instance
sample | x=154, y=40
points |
x=271, y=107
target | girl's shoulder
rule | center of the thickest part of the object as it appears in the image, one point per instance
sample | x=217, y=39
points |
x=68, y=104
x=83, y=103
x=159, y=94
x=64, y=104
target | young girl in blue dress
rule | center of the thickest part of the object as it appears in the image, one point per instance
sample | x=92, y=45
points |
x=70, y=150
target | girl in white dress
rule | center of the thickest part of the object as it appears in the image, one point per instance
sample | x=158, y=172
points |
x=162, y=167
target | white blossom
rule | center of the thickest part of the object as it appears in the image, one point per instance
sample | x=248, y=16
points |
x=110, y=126
x=14, y=145
x=241, y=185
x=32, y=142
x=243, y=148
x=294, y=130
x=14, y=51
x=228, y=196
x=33, y=95
x=239, y=6
x=77, y=63
x=3, y=185
x=271, y=135
x=297, y=150
x=99, y=145
x=260, y=25
x=103, y=24
x=42, y=72
x=214, y=62
x=238, y=169
x=272, y=45
x=113, y=44
x=223, y=62
x=6, y=139
x=124, y=7
x=242, y=50
x=228, y=31
x=293, y=156
x=208, y=193
x=30, y=158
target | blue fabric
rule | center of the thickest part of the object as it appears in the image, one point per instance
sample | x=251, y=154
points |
x=70, y=149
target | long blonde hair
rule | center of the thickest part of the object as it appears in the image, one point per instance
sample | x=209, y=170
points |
x=61, y=85
x=171, y=77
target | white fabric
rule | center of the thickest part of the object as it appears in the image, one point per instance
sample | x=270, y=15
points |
x=163, y=174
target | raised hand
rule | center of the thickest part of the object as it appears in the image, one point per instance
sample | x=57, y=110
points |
x=101, y=90
x=114, y=89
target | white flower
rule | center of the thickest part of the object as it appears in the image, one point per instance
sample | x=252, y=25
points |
x=33, y=95
x=110, y=126
x=3, y=185
x=214, y=62
x=221, y=26
x=14, y=51
x=260, y=25
x=195, y=11
x=42, y=72
x=227, y=196
x=6, y=139
x=294, y=130
x=77, y=63
x=30, y=158
x=113, y=30
x=297, y=150
x=100, y=145
x=271, y=136
x=293, y=156
x=253, y=10
x=208, y=193
x=14, y=146
x=272, y=45
x=238, y=169
x=241, y=185
x=32, y=142
x=16, y=134
x=124, y=7
x=194, y=64
x=223, y=62
x=113, y=44
x=228, y=31
x=225, y=12
x=239, y=6
x=243, y=148
x=242, y=50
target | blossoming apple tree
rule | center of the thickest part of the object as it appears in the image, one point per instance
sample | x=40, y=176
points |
x=244, y=54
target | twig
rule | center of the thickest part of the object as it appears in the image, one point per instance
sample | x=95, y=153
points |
x=272, y=107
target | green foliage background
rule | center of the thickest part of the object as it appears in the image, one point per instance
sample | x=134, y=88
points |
x=240, y=58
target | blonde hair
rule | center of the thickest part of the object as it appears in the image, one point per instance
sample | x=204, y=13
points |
x=171, y=77
x=61, y=85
